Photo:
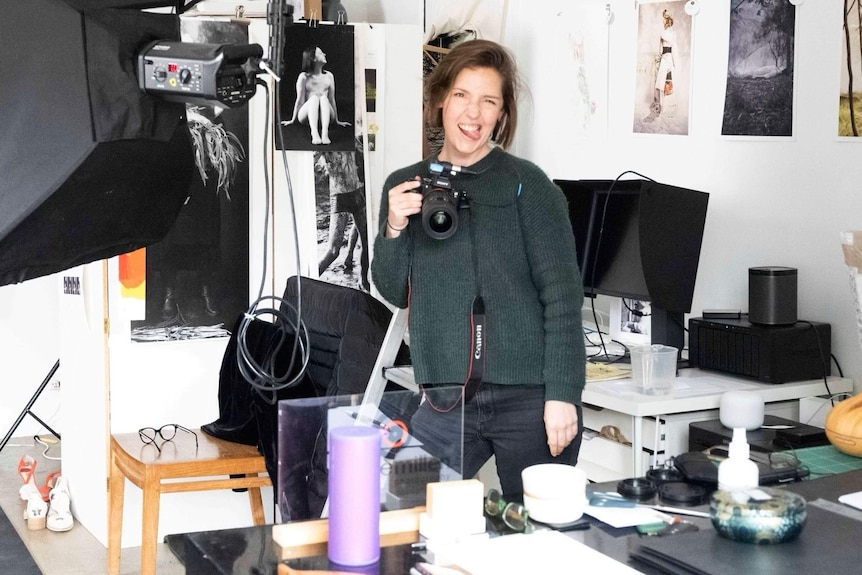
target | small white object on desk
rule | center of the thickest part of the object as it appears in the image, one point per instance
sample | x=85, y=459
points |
x=454, y=510
x=741, y=408
x=554, y=492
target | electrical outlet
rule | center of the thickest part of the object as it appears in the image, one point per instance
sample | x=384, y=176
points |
x=54, y=385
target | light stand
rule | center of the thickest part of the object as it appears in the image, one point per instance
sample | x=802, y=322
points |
x=27, y=409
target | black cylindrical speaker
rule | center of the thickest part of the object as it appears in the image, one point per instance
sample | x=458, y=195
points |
x=772, y=295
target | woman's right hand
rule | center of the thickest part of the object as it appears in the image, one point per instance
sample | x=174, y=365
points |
x=286, y=122
x=403, y=203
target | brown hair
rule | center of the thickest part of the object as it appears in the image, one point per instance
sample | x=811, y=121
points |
x=476, y=54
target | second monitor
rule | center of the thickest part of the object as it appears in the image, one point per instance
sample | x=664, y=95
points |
x=639, y=239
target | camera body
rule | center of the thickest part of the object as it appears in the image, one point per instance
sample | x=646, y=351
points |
x=441, y=201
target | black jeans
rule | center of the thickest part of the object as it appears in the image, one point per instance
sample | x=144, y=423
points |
x=506, y=421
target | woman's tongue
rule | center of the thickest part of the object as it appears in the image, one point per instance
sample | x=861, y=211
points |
x=470, y=131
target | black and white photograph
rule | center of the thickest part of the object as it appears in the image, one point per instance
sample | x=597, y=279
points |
x=633, y=318
x=342, y=227
x=663, y=75
x=197, y=276
x=760, y=87
x=317, y=92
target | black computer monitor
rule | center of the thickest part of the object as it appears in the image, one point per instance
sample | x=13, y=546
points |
x=639, y=239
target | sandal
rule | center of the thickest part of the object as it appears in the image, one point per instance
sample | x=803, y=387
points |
x=45, y=490
x=60, y=513
x=27, y=471
x=37, y=511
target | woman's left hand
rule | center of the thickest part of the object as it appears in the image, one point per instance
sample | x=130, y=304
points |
x=561, y=425
x=343, y=124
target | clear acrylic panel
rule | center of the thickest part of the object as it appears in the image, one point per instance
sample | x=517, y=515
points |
x=422, y=438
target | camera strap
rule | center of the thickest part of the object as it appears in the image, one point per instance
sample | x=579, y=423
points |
x=477, y=349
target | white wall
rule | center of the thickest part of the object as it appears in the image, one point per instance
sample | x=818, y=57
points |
x=28, y=349
x=772, y=201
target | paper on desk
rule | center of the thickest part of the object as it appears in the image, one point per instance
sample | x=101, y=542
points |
x=626, y=516
x=546, y=552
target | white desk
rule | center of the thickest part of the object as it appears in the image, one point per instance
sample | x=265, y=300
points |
x=694, y=391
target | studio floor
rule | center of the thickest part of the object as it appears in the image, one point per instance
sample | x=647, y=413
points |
x=74, y=552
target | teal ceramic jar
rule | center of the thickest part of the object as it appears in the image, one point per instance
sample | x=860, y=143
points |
x=761, y=516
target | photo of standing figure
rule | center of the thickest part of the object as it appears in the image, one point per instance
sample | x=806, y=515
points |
x=317, y=109
x=342, y=227
x=663, y=75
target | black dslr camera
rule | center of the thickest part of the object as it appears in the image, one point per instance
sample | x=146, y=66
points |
x=440, y=201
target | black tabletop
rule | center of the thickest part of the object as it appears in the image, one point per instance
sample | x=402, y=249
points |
x=251, y=550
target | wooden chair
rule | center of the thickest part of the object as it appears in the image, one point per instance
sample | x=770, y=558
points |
x=146, y=467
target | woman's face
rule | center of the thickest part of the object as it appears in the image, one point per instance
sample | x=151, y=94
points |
x=471, y=110
x=319, y=56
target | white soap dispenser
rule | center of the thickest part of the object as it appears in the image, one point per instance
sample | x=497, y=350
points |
x=738, y=471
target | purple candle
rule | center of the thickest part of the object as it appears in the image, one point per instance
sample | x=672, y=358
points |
x=354, y=495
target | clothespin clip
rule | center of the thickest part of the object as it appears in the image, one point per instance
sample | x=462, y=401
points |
x=341, y=19
x=312, y=20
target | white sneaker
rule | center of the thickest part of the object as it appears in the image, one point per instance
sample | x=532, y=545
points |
x=37, y=511
x=59, y=511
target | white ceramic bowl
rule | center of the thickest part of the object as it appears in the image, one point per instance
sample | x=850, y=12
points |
x=554, y=492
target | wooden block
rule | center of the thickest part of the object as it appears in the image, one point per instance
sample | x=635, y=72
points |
x=452, y=501
x=304, y=538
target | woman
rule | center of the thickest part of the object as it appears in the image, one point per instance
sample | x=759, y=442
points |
x=315, y=97
x=666, y=64
x=513, y=254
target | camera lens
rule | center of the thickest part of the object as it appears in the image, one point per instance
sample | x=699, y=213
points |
x=439, y=214
x=440, y=222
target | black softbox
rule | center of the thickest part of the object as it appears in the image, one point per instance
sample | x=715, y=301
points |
x=90, y=166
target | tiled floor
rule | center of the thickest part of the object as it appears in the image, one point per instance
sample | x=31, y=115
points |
x=75, y=552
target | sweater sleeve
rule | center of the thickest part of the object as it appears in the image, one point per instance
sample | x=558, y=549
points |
x=553, y=262
x=390, y=266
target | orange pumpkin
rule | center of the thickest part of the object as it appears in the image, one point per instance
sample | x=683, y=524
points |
x=844, y=426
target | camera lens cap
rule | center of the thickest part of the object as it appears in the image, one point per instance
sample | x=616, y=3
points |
x=636, y=488
x=682, y=492
x=661, y=475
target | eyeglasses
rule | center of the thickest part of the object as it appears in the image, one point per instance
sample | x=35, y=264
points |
x=166, y=432
x=513, y=514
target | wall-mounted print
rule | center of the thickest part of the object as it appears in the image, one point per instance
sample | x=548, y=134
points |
x=197, y=275
x=574, y=99
x=850, y=117
x=342, y=227
x=317, y=91
x=760, y=80
x=663, y=74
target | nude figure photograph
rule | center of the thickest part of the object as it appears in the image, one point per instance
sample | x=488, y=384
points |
x=316, y=94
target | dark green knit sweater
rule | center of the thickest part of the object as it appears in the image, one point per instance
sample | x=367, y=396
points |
x=514, y=247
